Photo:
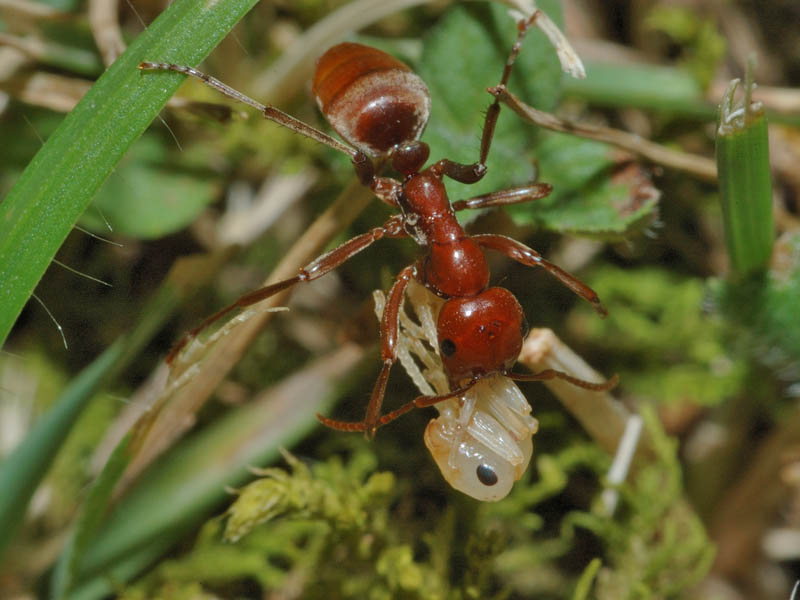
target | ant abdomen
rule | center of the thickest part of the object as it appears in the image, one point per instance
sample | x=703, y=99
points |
x=370, y=98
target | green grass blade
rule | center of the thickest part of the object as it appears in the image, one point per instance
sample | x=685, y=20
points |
x=23, y=469
x=182, y=487
x=744, y=182
x=651, y=87
x=92, y=513
x=665, y=89
x=586, y=580
x=124, y=570
x=60, y=182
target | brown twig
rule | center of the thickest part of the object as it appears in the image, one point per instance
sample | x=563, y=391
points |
x=699, y=166
x=104, y=22
x=30, y=10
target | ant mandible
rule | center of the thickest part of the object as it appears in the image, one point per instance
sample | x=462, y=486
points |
x=378, y=105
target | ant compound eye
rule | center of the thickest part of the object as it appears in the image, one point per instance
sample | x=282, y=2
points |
x=486, y=475
x=448, y=348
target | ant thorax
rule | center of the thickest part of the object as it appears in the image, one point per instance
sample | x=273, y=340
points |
x=427, y=214
x=482, y=440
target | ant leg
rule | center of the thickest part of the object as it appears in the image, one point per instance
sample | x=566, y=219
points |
x=418, y=402
x=516, y=195
x=269, y=112
x=553, y=374
x=389, y=334
x=475, y=172
x=529, y=257
x=390, y=326
x=393, y=228
x=363, y=165
x=364, y=168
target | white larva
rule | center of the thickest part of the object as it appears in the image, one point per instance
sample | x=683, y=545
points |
x=481, y=441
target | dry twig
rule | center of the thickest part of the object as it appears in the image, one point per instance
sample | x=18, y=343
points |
x=699, y=166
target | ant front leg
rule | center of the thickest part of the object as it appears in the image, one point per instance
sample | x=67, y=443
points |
x=517, y=195
x=393, y=228
x=475, y=172
x=390, y=325
x=529, y=257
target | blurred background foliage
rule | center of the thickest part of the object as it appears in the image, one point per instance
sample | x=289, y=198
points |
x=99, y=500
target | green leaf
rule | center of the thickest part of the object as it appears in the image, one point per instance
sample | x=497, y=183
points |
x=91, y=516
x=668, y=90
x=125, y=569
x=166, y=197
x=59, y=183
x=463, y=56
x=588, y=196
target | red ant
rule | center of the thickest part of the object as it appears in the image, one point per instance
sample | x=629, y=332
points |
x=378, y=105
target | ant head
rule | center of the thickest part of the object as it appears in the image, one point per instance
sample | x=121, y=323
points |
x=371, y=99
x=481, y=334
x=409, y=157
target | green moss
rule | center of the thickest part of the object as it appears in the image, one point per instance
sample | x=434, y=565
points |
x=329, y=491
x=326, y=528
x=339, y=529
x=665, y=344
x=654, y=545
x=763, y=307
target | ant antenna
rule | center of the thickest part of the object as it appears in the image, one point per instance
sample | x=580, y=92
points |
x=269, y=112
